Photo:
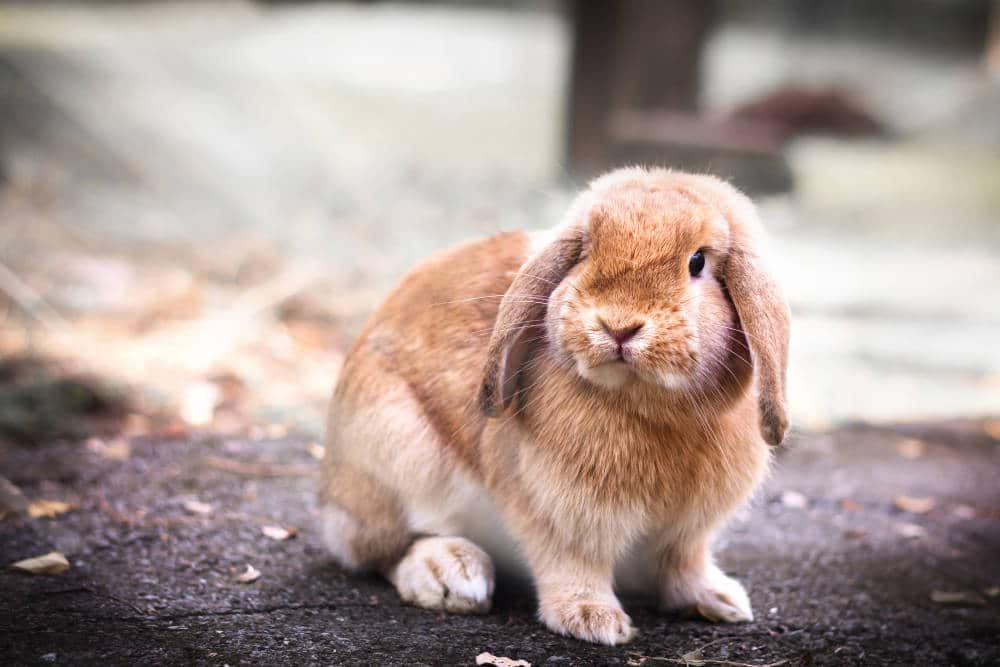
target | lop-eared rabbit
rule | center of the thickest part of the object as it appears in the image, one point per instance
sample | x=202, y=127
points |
x=601, y=393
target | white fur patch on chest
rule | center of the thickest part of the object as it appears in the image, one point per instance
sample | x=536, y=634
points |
x=577, y=512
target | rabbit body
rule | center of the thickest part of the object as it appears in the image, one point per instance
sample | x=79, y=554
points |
x=589, y=439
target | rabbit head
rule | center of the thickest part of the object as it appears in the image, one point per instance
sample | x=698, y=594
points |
x=655, y=279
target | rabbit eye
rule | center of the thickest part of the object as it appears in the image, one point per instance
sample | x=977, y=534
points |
x=696, y=264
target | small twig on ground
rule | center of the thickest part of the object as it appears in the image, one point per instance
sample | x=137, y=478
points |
x=258, y=469
x=695, y=658
x=785, y=631
x=697, y=662
x=106, y=507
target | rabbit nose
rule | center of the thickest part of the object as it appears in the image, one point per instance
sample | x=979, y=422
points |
x=622, y=334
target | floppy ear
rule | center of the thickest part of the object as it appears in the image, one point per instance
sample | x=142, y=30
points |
x=520, y=318
x=765, y=319
x=760, y=304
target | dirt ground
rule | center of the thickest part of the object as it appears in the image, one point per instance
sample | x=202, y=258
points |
x=838, y=570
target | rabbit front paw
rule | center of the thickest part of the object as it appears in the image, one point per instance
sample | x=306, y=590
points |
x=447, y=573
x=590, y=618
x=711, y=595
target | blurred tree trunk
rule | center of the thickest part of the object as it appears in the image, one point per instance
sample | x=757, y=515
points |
x=992, y=51
x=630, y=55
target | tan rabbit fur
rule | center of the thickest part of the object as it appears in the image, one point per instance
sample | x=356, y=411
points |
x=584, y=394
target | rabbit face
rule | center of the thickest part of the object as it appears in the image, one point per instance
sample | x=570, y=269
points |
x=646, y=303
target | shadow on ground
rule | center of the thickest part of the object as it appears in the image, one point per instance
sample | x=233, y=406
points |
x=845, y=579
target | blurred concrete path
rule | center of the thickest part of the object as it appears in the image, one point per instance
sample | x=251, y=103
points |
x=841, y=553
x=362, y=138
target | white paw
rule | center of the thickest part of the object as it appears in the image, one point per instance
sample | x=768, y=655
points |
x=447, y=573
x=597, y=620
x=713, y=596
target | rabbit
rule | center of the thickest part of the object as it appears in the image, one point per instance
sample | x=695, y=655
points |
x=603, y=392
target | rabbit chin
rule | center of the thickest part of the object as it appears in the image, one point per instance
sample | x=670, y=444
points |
x=610, y=375
x=617, y=374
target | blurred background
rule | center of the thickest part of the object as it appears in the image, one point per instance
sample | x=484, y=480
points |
x=201, y=202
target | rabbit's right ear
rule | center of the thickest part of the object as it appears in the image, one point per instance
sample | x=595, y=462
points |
x=759, y=301
x=520, y=320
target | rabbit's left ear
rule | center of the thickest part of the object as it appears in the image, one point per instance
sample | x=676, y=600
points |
x=760, y=304
x=765, y=319
x=520, y=319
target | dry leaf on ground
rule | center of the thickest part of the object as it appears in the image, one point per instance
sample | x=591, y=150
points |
x=963, y=512
x=173, y=429
x=957, y=597
x=911, y=530
x=849, y=505
x=199, y=404
x=486, y=658
x=47, y=508
x=137, y=425
x=249, y=575
x=230, y=422
x=913, y=504
x=117, y=449
x=197, y=507
x=794, y=500
x=911, y=448
x=279, y=532
x=51, y=563
x=276, y=431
